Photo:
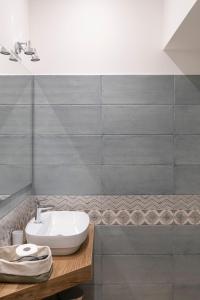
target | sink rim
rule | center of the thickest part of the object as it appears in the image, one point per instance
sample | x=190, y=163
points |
x=31, y=225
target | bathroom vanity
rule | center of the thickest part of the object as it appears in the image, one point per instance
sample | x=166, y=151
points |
x=68, y=271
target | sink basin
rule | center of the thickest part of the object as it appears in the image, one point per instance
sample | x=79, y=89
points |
x=62, y=231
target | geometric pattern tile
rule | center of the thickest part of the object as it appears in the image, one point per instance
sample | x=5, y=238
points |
x=132, y=209
x=149, y=217
x=111, y=210
x=130, y=202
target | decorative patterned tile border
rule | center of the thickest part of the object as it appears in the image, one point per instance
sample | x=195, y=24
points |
x=111, y=210
x=139, y=217
x=17, y=219
x=132, y=209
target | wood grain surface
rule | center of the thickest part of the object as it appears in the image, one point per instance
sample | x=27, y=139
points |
x=68, y=271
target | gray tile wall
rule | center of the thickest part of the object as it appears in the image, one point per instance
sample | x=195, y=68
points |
x=125, y=135
x=15, y=133
x=142, y=263
x=117, y=135
x=15, y=212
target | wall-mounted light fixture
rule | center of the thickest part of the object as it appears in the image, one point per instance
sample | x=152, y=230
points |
x=4, y=51
x=13, y=57
x=19, y=48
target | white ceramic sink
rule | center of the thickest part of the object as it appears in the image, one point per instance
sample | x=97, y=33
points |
x=62, y=231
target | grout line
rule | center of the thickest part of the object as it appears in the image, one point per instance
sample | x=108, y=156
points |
x=173, y=273
x=100, y=164
x=19, y=165
x=102, y=134
x=173, y=136
x=33, y=136
x=100, y=104
x=141, y=254
x=94, y=104
x=16, y=104
x=95, y=135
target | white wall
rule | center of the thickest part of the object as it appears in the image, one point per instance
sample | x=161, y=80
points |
x=14, y=21
x=175, y=12
x=96, y=36
x=8, y=67
x=99, y=37
x=14, y=26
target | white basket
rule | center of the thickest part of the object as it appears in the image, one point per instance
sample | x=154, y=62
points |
x=24, y=271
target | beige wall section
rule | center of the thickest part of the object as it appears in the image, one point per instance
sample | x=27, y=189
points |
x=175, y=12
x=186, y=36
x=99, y=37
x=183, y=47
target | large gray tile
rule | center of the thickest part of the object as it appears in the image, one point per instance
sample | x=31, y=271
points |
x=15, y=89
x=137, y=149
x=133, y=89
x=137, y=119
x=137, y=292
x=15, y=149
x=187, y=292
x=186, y=269
x=119, y=180
x=62, y=119
x=14, y=177
x=18, y=207
x=67, y=89
x=187, y=119
x=186, y=239
x=15, y=119
x=65, y=149
x=135, y=240
x=97, y=269
x=187, y=179
x=141, y=269
x=97, y=240
x=187, y=89
x=187, y=149
x=67, y=180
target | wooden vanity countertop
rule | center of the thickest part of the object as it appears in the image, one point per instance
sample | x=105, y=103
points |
x=68, y=271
